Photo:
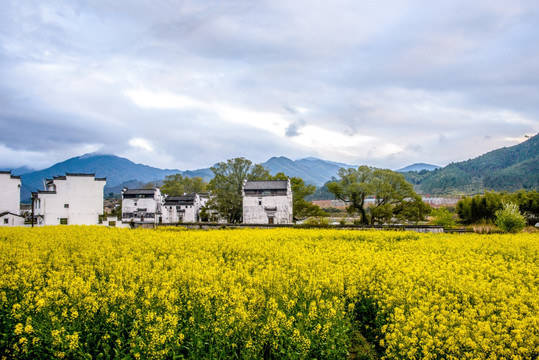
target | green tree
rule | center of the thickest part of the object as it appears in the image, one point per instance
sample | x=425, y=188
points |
x=176, y=184
x=509, y=219
x=227, y=185
x=393, y=196
x=528, y=203
x=443, y=217
x=150, y=185
x=302, y=208
x=353, y=188
x=479, y=207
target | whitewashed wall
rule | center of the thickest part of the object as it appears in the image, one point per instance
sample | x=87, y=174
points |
x=183, y=213
x=152, y=205
x=10, y=193
x=83, y=196
x=259, y=209
x=10, y=219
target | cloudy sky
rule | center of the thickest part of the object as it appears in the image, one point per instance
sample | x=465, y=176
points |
x=185, y=84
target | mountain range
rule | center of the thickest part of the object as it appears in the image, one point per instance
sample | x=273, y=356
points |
x=508, y=169
x=419, y=167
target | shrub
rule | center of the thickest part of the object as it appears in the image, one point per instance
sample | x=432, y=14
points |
x=510, y=219
x=442, y=217
x=316, y=222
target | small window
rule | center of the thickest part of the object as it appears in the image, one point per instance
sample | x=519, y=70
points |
x=66, y=206
x=112, y=223
x=63, y=221
x=6, y=221
x=259, y=202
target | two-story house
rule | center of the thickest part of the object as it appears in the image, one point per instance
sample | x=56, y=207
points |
x=267, y=202
x=185, y=208
x=142, y=206
x=73, y=199
x=10, y=194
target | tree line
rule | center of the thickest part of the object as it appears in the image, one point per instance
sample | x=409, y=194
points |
x=227, y=184
x=393, y=196
x=375, y=196
x=474, y=209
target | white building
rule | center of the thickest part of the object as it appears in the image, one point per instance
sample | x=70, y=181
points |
x=185, y=208
x=267, y=202
x=10, y=193
x=142, y=206
x=10, y=219
x=73, y=199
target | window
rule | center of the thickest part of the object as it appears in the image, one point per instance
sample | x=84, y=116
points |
x=66, y=206
x=6, y=221
x=259, y=202
x=63, y=221
x=112, y=223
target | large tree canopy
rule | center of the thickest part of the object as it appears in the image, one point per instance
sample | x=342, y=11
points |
x=176, y=184
x=227, y=185
x=393, y=196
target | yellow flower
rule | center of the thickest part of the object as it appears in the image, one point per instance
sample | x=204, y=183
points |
x=19, y=329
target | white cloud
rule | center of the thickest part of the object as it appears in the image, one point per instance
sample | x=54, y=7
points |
x=162, y=100
x=192, y=82
x=141, y=143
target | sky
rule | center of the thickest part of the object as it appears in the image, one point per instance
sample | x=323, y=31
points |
x=186, y=84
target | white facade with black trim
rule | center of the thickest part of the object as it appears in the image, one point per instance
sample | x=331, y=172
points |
x=267, y=202
x=142, y=206
x=182, y=209
x=10, y=194
x=73, y=199
x=10, y=219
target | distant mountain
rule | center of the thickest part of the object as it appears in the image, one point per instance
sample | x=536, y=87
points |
x=419, y=167
x=116, y=169
x=506, y=169
x=122, y=172
x=312, y=170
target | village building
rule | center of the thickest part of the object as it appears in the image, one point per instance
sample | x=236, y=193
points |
x=267, y=202
x=10, y=219
x=10, y=192
x=142, y=207
x=110, y=221
x=184, y=208
x=73, y=199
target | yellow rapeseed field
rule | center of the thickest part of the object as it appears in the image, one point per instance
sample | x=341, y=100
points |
x=95, y=292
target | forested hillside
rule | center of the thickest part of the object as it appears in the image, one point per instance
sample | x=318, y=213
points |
x=506, y=169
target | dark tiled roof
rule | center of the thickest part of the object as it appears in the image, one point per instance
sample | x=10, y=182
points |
x=43, y=192
x=266, y=185
x=64, y=177
x=76, y=174
x=183, y=199
x=139, y=191
x=7, y=212
x=9, y=173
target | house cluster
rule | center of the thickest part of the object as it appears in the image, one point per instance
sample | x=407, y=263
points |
x=148, y=207
x=77, y=199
